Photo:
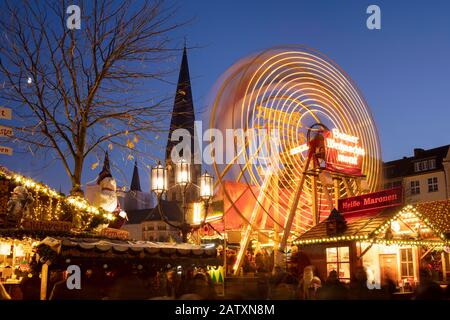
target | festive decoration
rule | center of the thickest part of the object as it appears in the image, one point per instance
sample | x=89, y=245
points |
x=410, y=211
x=335, y=223
x=430, y=212
x=106, y=198
x=56, y=207
x=19, y=205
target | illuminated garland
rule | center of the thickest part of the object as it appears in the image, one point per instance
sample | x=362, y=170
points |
x=384, y=227
x=378, y=241
x=331, y=239
x=438, y=212
x=410, y=209
x=411, y=242
x=79, y=204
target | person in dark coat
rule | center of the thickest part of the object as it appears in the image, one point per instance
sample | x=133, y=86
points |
x=31, y=288
x=388, y=287
x=428, y=289
x=333, y=289
x=358, y=285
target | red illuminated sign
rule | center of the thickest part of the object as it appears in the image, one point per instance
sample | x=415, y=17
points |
x=371, y=201
x=344, y=152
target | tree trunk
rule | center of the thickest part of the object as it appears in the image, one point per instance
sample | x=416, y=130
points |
x=76, y=178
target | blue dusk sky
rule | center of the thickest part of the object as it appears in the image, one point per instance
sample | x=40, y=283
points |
x=403, y=70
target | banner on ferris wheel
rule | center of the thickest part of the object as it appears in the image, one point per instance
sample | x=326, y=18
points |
x=343, y=152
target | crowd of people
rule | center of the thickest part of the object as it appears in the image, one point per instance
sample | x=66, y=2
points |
x=119, y=284
x=309, y=286
x=302, y=281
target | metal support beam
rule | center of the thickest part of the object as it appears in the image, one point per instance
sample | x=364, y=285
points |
x=249, y=228
x=293, y=209
x=325, y=191
x=314, y=198
x=347, y=187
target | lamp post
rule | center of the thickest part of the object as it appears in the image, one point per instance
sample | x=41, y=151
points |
x=183, y=179
x=206, y=182
x=159, y=186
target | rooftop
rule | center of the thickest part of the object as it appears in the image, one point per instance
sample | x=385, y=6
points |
x=405, y=166
x=435, y=215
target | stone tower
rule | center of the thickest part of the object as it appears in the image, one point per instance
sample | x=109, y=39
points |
x=183, y=117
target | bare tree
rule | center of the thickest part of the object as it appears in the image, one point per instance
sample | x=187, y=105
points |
x=74, y=91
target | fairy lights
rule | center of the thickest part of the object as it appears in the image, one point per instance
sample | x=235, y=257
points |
x=409, y=212
x=77, y=203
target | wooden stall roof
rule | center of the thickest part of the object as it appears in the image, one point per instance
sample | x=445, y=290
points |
x=100, y=248
x=357, y=225
x=438, y=213
x=363, y=226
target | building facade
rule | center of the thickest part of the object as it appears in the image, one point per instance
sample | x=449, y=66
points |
x=425, y=176
x=156, y=229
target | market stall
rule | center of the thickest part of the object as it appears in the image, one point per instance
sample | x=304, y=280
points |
x=393, y=243
x=57, y=254
x=43, y=233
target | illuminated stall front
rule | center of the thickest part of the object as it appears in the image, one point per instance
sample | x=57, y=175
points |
x=390, y=244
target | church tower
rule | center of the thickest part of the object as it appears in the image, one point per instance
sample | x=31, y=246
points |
x=135, y=198
x=183, y=117
x=135, y=181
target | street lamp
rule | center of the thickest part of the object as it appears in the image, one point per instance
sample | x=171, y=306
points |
x=159, y=179
x=159, y=186
x=182, y=173
x=183, y=179
x=206, y=182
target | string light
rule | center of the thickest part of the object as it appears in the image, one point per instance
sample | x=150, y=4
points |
x=76, y=202
x=437, y=211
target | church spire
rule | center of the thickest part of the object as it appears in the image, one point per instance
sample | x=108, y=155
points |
x=135, y=181
x=106, y=171
x=183, y=116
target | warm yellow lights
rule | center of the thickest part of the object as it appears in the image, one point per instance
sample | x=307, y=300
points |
x=284, y=91
x=5, y=249
x=77, y=203
x=198, y=216
x=408, y=212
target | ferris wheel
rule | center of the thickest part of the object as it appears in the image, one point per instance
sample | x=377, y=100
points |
x=307, y=138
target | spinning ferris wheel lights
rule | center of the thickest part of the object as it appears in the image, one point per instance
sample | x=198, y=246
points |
x=299, y=94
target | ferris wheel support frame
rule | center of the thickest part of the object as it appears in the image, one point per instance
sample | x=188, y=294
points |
x=293, y=209
x=249, y=228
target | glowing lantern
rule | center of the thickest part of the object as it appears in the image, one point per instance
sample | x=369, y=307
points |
x=159, y=179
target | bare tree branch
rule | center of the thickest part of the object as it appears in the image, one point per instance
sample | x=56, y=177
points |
x=85, y=87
